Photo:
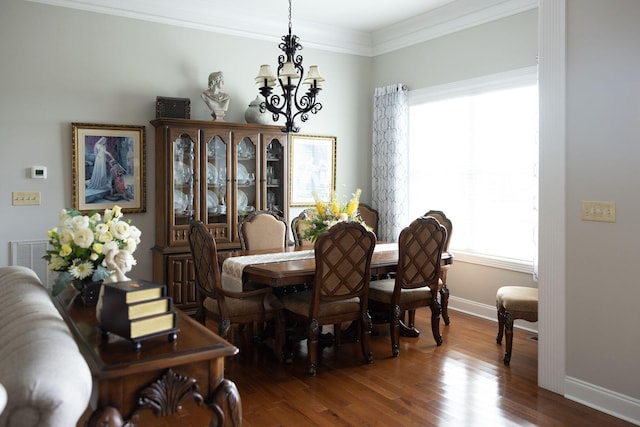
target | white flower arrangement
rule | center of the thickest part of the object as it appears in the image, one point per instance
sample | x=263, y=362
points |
x=80, y=243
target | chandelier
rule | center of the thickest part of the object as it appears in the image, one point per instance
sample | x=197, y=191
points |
x=290, y=72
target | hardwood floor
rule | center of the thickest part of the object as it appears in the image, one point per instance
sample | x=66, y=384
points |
x=461, y=383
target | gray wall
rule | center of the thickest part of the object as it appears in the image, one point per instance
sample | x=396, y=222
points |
x=502, y=45
x=602, y=151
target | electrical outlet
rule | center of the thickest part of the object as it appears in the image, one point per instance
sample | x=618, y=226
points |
x=599, y=211
x=25, y=198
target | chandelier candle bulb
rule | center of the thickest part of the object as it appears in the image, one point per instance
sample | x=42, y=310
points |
x=265, y=76
x=314, y=78
x=289, y=70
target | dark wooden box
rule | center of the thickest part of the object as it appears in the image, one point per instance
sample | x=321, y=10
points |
x=177, y=108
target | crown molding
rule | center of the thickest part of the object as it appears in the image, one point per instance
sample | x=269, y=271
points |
x=453, y=17
x=198, y=14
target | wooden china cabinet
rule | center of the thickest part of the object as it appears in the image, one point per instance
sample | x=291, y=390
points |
x=218, y=173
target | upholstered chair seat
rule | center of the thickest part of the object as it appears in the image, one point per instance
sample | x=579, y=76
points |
x=514, y=302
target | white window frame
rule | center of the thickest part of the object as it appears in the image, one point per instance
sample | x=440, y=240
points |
x=493, y=82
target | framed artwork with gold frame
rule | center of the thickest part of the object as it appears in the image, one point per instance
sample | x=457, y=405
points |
x=108, y=167
x=313, y=168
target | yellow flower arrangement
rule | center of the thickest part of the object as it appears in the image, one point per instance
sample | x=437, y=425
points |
x=325, y=215
x=80, y=243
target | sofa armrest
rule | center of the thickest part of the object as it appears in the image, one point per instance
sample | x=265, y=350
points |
x=47, y=380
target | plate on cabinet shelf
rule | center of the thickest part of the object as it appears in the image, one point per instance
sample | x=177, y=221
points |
x=212, y=201
x=180, y=201
x=212, y=174
x=242, y=201
x=243, y=175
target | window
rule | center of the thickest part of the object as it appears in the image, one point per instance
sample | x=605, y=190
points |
x=474, y=152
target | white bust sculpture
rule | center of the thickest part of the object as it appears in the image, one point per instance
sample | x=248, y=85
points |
x=216, y=100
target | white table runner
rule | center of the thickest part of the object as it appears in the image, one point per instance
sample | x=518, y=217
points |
x=233, y=267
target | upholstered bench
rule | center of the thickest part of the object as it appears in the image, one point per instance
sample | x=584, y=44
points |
x=514, y=302
x=47, y=381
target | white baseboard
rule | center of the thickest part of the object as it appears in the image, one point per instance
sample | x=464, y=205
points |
x=610, y=402
x=607, y=401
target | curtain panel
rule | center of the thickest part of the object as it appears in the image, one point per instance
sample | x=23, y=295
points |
x=390, y=160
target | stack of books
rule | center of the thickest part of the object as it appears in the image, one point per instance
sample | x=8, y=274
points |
x=136, y=310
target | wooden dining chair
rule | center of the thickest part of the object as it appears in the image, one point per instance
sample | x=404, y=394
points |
x=443, y=289
x=298, y=226
x=415, y=285
x=263, y=230
x=370, y=216
x=339, y=293
x=512, y=303
x=224, y=306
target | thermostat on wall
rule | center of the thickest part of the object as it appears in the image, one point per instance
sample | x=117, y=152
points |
x=38, y=172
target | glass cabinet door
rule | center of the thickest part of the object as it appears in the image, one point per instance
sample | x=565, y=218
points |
x=246, y=171
x=275, y=173
x=216, y=194
x=216, y=180
x=182, y=177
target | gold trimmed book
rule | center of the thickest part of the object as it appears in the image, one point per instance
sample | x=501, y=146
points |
x=132, y=291
x=140, y=309
x=143, y=326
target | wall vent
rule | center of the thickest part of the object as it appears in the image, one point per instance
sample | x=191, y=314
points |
x=29, y=253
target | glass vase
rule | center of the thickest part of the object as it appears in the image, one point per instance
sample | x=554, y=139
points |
x=89, y=291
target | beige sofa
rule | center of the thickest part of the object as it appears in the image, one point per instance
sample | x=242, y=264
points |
x=47, y=381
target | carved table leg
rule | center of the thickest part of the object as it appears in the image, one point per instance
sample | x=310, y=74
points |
x=226, y=404
x=107, y=416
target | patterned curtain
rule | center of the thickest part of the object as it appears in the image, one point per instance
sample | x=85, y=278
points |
x=390, y=160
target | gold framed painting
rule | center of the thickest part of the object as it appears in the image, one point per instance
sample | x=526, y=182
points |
x=313, y=168
x=108, y=167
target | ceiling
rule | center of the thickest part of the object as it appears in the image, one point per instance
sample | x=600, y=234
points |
x=359, y=15
x=362, y=27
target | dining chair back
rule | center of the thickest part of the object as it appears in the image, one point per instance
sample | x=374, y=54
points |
x=443, y=289
x=340, y=289
x=224, y=306
x=446, y=222
x=263, y=230
x=298, y=226
x=370, y=216
x=415, y=285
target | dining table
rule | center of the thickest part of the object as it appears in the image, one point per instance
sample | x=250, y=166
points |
x=295, y=265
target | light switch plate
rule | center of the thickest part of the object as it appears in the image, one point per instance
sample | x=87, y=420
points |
x=599, y=211
x=25, y=198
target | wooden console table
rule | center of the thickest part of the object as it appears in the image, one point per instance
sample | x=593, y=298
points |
x=164, y=383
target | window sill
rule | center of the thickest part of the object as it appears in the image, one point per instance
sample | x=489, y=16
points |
x=492, y=261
